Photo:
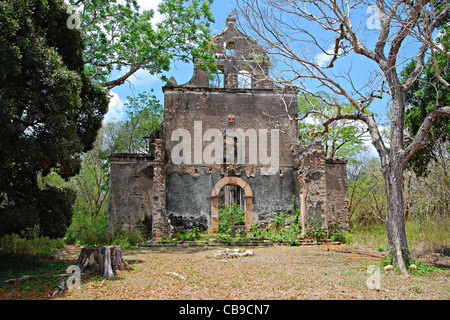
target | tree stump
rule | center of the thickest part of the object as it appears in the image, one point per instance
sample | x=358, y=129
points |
x=107, y=259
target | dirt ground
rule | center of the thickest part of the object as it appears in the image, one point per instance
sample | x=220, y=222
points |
x=272, y=273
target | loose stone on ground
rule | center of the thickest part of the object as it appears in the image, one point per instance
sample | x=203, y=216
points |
x=232, y=253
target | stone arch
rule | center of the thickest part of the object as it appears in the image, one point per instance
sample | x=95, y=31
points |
x=248, y=196
x=246, y=67
x=218, y=80
x=230, y=48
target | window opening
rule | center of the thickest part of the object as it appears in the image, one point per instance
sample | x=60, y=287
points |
x=218, y=80
x=230, y=49
x=244, y=79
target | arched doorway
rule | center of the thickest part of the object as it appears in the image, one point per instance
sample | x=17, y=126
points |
x=215, y=196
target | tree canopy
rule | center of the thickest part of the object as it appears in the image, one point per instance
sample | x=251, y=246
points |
x=122, y=39
x=50, y=109
x=344, y=138
x=425, y=95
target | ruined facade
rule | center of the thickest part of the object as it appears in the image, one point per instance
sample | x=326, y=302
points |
x=229, y=138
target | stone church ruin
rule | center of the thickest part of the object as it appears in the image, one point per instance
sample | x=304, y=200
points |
x=256, y=162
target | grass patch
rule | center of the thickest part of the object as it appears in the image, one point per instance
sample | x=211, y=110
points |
x=427, y=237
x=93, y=231
x=13, y=267
x=372, y=236
x=32, y=255
x=14, y=246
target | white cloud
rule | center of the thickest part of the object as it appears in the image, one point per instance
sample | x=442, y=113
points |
x=152, y=4
x=115, y=108
x=314, y=120
x=324, y=58
x=143, y=78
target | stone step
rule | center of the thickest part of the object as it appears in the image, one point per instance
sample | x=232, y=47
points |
x=235, y=242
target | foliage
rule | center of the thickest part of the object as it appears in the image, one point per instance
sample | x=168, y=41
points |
x=425, y=197
x=426, y=94
x=143, y=116
x=55, y=211
x=225, y=238
x=50, y=208
x=51, y=112
x=93, y=231
x=343, y=138
x=279, y=220
x=28, y=246
x=88, y=230
x=184, y=234
x=422, y=268
x=92, y=183
x=290, y=233
x=336, y=233
x=315, y=230
x=255, y=231
x=230, y=215
x=122, y=38
x=127, y=239
x=431, y=237
x=366, y=191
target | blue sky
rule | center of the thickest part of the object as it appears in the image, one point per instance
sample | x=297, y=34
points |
x=143, y=81
x=361, y=66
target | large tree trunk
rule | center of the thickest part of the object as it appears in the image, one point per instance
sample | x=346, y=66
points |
x=395, y=218
x=107, y=260
x=392, y=162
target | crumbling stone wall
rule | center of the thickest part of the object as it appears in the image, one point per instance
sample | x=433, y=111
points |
x=324, y=181
x=130, y=199
x=253, y=110
x=311, y=177
x=337, y=195
x=197, y=107
x=249, y=55
x=161, y=224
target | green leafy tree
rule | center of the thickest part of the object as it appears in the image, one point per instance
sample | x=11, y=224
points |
x=121, y=37
x=143, y=116
x=50, y=110
x=342, y=138
x=91, y=183
x=426, y=94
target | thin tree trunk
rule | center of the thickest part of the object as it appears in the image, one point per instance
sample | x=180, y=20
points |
x=395, y=217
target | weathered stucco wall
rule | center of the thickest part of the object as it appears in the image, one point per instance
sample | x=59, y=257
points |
x=189, y=196
x=130, y=191
x=212, y=107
